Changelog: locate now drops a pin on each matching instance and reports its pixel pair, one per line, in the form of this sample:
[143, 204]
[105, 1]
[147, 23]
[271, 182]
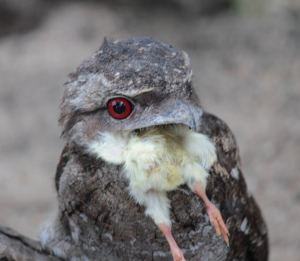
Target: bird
[146, 173]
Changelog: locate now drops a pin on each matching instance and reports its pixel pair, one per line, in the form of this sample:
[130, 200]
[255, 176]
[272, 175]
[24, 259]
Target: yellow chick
[165, 157]
[159, 159]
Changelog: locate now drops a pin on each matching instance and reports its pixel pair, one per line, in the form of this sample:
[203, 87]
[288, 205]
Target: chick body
[156, 158]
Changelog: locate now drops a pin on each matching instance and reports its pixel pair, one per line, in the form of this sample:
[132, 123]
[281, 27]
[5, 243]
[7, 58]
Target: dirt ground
[246, 71]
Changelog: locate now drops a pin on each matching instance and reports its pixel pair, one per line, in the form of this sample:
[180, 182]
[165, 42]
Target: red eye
[119, 108]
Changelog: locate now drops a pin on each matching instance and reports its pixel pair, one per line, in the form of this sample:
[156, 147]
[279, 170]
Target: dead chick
[159, 159]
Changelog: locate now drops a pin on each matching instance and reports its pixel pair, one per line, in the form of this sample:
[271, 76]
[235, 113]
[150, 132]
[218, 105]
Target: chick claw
[217, 220]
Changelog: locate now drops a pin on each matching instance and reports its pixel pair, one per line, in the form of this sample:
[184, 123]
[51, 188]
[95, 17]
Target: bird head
[128, 85]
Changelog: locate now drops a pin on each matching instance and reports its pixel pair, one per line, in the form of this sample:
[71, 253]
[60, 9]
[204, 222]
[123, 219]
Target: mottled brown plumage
[98, 219]
[14, 246]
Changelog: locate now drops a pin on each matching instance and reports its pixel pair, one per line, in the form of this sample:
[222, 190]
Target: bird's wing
[227, 187]
[15, 247]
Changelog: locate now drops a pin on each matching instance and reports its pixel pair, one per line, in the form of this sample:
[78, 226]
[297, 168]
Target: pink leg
[213, 213]
[176, 251]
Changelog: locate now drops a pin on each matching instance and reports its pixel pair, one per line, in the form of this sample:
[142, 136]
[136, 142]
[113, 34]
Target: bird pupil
[119, 107]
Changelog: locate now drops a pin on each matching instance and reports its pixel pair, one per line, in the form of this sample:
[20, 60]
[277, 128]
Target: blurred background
[245, 56]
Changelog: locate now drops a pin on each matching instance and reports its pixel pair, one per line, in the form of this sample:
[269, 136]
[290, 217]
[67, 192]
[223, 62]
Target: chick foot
[216, 219]
[212, 211]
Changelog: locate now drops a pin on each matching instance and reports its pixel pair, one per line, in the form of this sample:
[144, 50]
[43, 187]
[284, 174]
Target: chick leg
[212, 211]
[157, 207]
[175, 250]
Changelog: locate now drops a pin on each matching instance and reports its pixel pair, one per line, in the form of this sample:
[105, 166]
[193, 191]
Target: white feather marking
[132, 241]
[243, 225]
[145, 252]
[46, 233]
[159, 253]
[75, 230]
[235, 173]
[84, 217]
[109, 236]
[59, 252]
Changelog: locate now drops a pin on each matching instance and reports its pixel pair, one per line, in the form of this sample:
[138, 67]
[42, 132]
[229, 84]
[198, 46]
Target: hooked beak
[169, 111]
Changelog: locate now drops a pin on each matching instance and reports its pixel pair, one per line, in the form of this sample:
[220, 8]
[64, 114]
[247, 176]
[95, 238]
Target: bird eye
[119, 108]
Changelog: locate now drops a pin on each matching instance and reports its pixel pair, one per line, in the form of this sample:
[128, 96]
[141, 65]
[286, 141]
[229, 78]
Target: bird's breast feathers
[159, 157]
